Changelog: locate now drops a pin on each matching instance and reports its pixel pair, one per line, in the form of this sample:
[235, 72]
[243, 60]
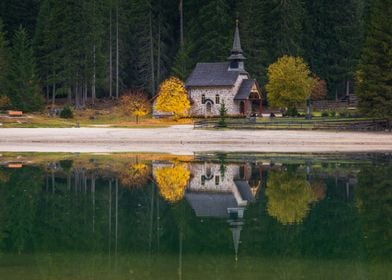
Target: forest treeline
[94, 48]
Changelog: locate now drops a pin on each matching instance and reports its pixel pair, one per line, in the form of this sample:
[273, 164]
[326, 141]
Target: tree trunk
[152, 55]
[158, 52]
[181, 10]
[110, 56]
[93, 95]
[53, 93]
[117, 52]
[69, 95]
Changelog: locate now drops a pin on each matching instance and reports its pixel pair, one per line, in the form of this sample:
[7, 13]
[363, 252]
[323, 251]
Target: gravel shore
[183, 139]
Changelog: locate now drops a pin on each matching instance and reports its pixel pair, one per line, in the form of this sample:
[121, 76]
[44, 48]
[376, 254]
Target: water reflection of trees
[289, 197]
[85, 211]
[172, 181]
[135, 175]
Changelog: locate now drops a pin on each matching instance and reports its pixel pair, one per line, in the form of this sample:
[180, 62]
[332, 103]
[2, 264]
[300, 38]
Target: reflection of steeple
[235, 228]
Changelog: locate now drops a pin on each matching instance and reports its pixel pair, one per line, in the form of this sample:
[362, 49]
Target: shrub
[292, 112]
[332, 113]
[66, 113]
[344, 113]
[324, 114]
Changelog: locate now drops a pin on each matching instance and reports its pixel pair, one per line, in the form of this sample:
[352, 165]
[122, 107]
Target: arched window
[217, 99]
[203, 99]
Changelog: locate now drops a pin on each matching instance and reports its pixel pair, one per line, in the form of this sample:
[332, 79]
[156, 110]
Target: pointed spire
[237, 54]
[237, 41]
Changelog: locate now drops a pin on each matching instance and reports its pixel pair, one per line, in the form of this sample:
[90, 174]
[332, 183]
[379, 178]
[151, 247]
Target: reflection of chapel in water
[223, 192]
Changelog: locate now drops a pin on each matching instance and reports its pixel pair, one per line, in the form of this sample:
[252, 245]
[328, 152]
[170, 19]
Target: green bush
[344, 113]
[332, 113]
[66, 113]
[292, 112]
[324, 114]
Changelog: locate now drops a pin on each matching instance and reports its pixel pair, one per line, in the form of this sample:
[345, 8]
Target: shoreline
[184, 140]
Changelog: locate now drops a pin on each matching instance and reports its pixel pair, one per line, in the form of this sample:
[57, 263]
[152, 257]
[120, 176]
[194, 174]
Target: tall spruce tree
[211, 32]
[4, 62]
[19, 12]
[23, 90]
[333, 41]
[255, 36]
[285, 20]
[374, 72]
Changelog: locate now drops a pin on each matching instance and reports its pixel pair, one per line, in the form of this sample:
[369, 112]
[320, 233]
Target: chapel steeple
[237, 54]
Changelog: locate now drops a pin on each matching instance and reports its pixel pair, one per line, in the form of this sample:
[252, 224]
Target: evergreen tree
[4, 62]
[285, 20]
[212, 32]
[23, 84]
[182, 65]
[374, 72]
[19, 12]
[333, 40]
[253, 17]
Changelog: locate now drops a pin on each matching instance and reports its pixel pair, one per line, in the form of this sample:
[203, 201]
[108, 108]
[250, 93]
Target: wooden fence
[315, 124]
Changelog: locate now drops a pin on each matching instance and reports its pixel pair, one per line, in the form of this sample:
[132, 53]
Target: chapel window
[216, 180]
[217, 99]
[203, 99]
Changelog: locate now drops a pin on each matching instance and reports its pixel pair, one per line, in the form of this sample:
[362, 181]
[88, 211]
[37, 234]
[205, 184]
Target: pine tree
[254, 37]
[23, 84]
[19, 12]
[333, 40]
[374, 72]
[285, 20]
[4, 62]
[211, 32]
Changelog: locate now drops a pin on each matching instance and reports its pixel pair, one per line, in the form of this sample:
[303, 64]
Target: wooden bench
[15, 113]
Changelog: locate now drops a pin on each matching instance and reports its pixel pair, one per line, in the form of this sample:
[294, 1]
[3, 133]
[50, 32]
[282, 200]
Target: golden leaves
[172, 182]
[289, 82]
[136, 175]
[173, 98]
[136, 104]
[289, 197]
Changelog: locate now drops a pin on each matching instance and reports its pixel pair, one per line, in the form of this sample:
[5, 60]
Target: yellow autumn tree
[289, 82]
[172, 182]
[135, 103]
[173, 98]
[135, 175]
[288, 197]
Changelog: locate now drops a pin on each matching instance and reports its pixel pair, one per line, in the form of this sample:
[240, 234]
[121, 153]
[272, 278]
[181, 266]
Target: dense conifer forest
[82, 50]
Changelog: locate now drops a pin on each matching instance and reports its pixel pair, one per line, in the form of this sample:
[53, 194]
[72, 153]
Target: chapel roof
[211, 204]
[244, 90]
[212, 74]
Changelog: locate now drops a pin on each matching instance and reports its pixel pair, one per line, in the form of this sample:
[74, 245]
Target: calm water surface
[204, 217]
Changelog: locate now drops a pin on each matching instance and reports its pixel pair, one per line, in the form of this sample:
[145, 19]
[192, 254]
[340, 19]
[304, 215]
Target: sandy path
[184, 140]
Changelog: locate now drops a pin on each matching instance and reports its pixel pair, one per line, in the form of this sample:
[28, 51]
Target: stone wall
[226, 95]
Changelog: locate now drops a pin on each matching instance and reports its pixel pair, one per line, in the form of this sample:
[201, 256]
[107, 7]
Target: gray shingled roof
[211, 204]
[212, 74]
[244, 90]
[244, 189]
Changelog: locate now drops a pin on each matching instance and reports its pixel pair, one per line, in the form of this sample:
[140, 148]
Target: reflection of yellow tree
[135, 176]
[172, 182]
[289, 197]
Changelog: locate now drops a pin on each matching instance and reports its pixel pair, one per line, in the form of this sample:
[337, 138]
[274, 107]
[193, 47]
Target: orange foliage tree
[173, 98]
[136, 175]
[319, 89]
[135, 103]
[172, 182]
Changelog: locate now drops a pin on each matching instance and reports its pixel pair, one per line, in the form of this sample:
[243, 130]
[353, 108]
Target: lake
[206, 216]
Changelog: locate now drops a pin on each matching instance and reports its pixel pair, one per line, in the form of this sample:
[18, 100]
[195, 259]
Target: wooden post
[260, 106]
